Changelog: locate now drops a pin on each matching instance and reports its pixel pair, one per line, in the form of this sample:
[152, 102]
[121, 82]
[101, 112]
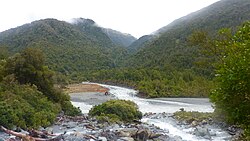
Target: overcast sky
[136, 17]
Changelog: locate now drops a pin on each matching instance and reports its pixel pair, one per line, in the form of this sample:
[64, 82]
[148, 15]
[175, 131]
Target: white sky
[136, 17]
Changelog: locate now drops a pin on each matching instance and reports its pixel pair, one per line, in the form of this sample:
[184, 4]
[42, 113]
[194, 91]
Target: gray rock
[194, 123]
[176, 138]
[127, 132]
[202, 132]
[204, 122]
[123, 134]
[102, 139]
[142, 135]
[126, 139]
[154, 135]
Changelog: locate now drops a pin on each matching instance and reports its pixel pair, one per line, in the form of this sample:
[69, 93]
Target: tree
[28, 68]
[231, 60]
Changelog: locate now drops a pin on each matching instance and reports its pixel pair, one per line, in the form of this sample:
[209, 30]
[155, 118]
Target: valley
[203, 55]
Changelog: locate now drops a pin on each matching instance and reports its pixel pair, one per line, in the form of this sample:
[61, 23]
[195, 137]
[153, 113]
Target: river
[167, 105]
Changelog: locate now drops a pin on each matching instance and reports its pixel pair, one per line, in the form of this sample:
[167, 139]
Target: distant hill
[69, 47]
[120, 39]
[106, 36]
[141, 42]
[93, 32]
[171, 47]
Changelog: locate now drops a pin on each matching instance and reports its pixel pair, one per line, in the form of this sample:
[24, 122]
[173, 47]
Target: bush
[25, 107]
[117, 110]
[233, 77]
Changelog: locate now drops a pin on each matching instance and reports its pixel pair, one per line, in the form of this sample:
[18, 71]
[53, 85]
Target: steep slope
[120, 39]
[93, 32]
[141, 42]
[164, 67]
[171, 48]
[68, 49]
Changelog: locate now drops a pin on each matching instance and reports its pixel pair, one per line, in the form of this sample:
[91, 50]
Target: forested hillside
[168, 65]
[141, 42]
[120, 39]
[69, 48]
[171, 45]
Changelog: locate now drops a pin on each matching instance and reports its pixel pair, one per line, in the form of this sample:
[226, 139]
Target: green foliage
[7, 115]
[117, 110]
[4, 53]
[189, 117]
[69, 48]
[28, 98]
[155, 82]
[24, 106]
[233, 92]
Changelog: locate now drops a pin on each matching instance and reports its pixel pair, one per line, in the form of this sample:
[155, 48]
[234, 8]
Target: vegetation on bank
[156, 82]
[116, 111]
[232, 94]
[230, 55]
[189, 117]
[28, 98]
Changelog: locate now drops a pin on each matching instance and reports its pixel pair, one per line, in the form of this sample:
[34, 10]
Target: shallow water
[167, 105]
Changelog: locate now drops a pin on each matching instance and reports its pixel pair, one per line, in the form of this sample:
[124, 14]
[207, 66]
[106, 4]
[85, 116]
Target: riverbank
[158, 118]
[85, 87]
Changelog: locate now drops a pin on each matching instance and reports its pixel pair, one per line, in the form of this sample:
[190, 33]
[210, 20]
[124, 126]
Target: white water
[167, 106]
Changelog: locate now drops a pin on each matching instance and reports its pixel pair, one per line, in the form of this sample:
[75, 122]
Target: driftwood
[89, 137]
[26, 137]
[90, 126]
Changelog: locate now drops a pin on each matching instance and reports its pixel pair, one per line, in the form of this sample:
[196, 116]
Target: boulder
[127, 132]
[142, 135]
[102, 139]
[202, 132]
[194, 123]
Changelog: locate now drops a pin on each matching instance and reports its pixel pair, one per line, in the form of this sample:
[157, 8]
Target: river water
[167, 105]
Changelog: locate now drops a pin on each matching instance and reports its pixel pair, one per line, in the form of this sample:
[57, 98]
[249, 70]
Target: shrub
[117, 110]
[233, 77]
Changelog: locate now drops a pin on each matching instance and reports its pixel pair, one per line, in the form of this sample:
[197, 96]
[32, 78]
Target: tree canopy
[28, 98]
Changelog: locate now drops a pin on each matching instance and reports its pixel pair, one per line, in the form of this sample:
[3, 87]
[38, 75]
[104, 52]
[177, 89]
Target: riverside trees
[230, 55]
[232, 95]
[28, 97]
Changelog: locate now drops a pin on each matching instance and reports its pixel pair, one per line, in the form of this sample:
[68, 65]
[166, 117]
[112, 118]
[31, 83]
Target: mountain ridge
[67, 48]
[172, 38]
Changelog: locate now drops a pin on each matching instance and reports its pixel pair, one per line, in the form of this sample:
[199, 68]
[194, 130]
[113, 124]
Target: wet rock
[232, 130]
[126, 139]
[127, 132]
[73, 138]
[202, 132]
[181, 109]
[102, 139]
[154, 135]
[204, 122]
[142, 135]
[176, 138]
[110, 136]
[194, 123]
[123, 134]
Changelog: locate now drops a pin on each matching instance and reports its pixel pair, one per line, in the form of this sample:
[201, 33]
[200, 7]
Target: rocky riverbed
[161, 125]
[84, 128]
